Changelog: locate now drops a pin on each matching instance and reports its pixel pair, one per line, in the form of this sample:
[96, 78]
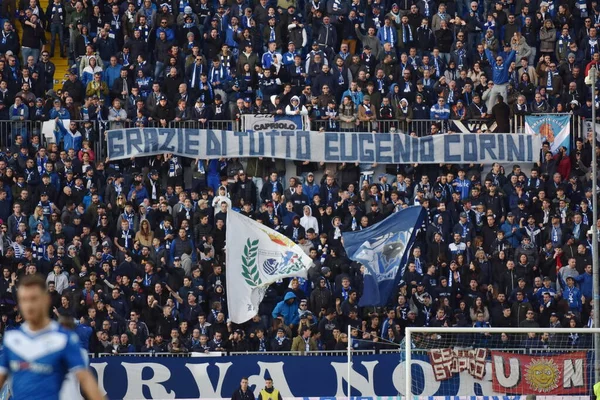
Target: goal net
[495, 363]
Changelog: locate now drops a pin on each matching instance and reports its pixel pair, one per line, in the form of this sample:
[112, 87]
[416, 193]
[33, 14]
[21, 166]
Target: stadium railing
[325, 353]
[420, 127]
[241, 353]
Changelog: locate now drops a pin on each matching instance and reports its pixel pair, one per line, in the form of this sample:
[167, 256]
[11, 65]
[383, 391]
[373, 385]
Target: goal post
[464, 362]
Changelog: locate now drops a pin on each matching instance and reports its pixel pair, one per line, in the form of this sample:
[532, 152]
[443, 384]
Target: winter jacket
[289, 312]
[547, 40]
[573, 298]
[308, 221]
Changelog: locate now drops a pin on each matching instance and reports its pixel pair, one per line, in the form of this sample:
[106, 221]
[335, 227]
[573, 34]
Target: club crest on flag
[256, 260]
[550, 128]
[383, 251]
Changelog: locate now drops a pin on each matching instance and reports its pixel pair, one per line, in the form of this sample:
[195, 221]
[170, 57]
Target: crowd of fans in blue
[137, 256]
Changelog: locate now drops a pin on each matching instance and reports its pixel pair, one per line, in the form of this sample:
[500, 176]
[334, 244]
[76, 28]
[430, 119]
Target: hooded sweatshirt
[308, 221]
[217, 200]
[289, 312]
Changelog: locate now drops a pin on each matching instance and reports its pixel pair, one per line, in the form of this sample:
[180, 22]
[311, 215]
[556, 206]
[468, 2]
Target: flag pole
[595, 266]
[349, 366]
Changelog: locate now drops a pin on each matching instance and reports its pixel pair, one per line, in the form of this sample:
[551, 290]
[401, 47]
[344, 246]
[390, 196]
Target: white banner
[335, 147]
[257, 256]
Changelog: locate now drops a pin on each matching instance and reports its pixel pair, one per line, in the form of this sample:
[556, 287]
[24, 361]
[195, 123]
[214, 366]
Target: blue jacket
[84, 333]
[573, 297]
[462, 186]
[500, 72]
[72, 140]
[168, 32]
[139, 196]
[586, 283]
[289, 312]
[513, 238]
[437, 112]
[111, 73]
[310, 191]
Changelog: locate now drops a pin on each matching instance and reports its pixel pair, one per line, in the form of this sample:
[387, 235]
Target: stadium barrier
[8, 129]
[372, 375]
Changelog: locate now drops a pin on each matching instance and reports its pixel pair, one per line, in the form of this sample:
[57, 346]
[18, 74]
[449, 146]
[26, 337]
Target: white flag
[257, 256]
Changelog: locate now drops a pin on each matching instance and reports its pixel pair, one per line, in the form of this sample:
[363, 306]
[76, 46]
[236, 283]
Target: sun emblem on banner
[542, 375]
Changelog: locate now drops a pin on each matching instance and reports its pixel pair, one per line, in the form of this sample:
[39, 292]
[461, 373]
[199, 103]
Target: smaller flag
[553, 129]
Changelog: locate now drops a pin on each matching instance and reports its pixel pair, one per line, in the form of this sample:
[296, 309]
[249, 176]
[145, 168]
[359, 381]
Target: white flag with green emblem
[257, 256]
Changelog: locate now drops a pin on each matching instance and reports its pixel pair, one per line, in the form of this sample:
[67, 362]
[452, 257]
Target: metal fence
[240, 353]
[9, 129]
[418, 127]
[216, 125]
[324, 353]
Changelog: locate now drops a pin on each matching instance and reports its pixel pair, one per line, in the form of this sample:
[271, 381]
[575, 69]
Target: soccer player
[40, 353]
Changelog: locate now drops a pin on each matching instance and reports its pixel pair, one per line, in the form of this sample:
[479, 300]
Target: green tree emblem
[249, 265]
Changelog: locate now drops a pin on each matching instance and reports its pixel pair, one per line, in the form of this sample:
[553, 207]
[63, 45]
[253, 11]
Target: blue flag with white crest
[384, 249]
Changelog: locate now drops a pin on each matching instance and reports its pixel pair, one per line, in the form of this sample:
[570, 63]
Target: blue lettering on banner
[331, 146]
[150, 140]
[213, 144]
[168, 134]
[303, 151]
[515, 150]
[351, 147]
[470, 148]
[288, 147]
[116, 149]
[401, 148]
[449, 140]
[219, 377]
[367, 154]
[192, 142]
[427, 153]
[382, 147]
[254, 151]
[273, 135]
[134, 141]
[353, 152]
[241, 136]
[487, 145]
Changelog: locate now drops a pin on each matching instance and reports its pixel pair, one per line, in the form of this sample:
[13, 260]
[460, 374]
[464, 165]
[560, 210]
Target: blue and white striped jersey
[38, 361]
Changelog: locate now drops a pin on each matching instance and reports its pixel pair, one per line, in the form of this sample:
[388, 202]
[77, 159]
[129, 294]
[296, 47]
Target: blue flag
[384, 249]
[60, 131]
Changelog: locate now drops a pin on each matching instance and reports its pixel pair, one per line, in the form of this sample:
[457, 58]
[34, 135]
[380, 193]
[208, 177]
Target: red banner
[564, 374]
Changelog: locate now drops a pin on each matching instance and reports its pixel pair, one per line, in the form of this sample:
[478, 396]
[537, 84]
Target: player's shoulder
[53, 332]
[34, 345]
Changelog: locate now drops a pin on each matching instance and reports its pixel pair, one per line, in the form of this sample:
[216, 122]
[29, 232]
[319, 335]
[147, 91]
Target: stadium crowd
[137, 256]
